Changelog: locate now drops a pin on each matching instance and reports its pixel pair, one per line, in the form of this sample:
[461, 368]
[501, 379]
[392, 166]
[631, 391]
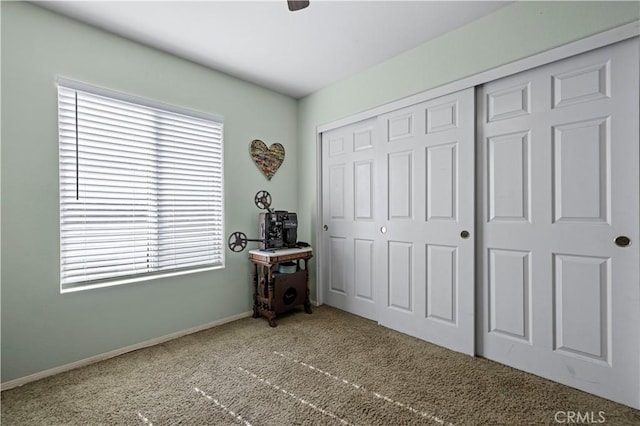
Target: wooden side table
[275, 292]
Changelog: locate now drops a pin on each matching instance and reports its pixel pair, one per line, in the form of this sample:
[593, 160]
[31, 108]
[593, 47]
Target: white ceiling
[295, 53]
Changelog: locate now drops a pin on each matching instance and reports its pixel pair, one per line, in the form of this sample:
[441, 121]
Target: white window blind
[141, 187]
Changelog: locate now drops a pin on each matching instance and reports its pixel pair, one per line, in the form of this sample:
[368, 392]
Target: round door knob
[383, 229]
[326, 228]
[622, 241]
[464, 234]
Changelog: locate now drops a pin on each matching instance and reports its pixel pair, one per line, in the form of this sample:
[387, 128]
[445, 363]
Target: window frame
[151, 104]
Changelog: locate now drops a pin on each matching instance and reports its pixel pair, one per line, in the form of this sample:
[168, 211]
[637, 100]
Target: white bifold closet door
[350, 217]
[425, 278]
[559, 283]
[398, 218]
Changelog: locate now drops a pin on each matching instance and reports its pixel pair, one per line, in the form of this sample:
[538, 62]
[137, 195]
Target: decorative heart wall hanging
[268, 159]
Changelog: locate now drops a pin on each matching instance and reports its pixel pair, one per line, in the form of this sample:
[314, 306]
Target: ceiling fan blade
[297, 4]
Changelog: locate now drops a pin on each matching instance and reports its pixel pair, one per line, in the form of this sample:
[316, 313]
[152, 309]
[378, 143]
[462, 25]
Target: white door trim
[319, 222]
[592, 42]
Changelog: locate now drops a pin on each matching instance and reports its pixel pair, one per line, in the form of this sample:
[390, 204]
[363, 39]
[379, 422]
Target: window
[141, 188]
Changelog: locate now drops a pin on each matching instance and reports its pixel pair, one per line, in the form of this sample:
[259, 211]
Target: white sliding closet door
[425, 274]
[398, 218]
[559, 283]
[350, 237]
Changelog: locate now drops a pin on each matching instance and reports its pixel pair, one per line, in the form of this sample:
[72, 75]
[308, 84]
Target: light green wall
[41, 328]
[511, 33]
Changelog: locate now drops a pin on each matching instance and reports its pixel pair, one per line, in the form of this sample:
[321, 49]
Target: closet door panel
[442, 283]
[429, 184]
[349, 173]
[559, 161]
[441, 184]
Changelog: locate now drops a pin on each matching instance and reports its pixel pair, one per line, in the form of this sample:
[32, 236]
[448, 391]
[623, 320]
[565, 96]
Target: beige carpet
[328, 368]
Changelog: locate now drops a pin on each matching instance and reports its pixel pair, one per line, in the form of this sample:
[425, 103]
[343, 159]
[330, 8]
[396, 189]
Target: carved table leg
[307, 303]
[255, 292]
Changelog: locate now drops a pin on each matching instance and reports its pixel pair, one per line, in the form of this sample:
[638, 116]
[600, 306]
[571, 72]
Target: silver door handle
[383, 229]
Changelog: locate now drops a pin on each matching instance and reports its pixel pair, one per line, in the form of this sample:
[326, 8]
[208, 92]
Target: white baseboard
[101, 357]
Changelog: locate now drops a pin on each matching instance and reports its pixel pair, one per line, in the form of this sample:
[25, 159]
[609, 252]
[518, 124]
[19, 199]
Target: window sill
[130, 280]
